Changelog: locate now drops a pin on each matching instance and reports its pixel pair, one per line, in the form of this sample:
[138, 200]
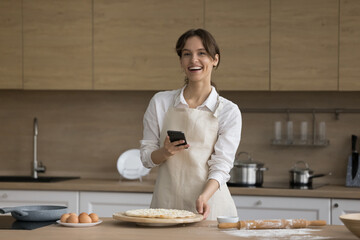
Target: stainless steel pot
[247, 172]
[301, 174]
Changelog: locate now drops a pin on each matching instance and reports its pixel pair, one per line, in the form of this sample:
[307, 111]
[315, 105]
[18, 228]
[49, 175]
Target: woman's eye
[186, 54]
[202, 53]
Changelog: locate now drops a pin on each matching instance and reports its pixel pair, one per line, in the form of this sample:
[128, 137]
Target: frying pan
[35, 212]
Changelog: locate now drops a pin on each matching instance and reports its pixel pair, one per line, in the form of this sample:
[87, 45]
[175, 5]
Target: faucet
[35, 167]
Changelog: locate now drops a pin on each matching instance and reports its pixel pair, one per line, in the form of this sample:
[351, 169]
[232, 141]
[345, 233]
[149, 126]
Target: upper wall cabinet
[304, 45]
[349, 65]
[57, 44]
[10, 44]
[242, 30]
[134, 42]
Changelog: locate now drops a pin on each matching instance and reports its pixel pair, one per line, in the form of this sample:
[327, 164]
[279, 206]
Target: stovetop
[8, 222]
[279, 186]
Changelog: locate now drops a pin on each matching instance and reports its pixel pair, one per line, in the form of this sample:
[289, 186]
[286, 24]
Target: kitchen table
[112, 229]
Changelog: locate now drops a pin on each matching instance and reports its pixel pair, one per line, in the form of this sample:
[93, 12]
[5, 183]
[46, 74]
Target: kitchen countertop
[111, 229]
[116, 185]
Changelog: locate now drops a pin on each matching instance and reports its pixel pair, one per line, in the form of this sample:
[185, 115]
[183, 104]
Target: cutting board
[157, 221]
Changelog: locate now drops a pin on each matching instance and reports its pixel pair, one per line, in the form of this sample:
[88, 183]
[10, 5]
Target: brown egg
[94, 217]
[83, 213]
[84, 218]
[64, 217]
[73, 219]
[73, 213]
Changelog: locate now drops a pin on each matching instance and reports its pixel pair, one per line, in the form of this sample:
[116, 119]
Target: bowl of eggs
[81, 220]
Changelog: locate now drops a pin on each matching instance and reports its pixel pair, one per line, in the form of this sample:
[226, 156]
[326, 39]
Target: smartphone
[176, 136]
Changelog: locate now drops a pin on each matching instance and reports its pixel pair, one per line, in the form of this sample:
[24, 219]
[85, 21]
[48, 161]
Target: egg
[94, 217]
[84, 218]
[83, 214]
[72, 219]
[64, 217]
[73, 213]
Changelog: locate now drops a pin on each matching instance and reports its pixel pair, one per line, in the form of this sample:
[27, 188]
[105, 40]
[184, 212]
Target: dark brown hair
[207, 40]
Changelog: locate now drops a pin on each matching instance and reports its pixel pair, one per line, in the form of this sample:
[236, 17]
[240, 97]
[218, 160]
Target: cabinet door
[349, 65]
[10, 44]
[134, 42]
[343, 206]
[13, 198]
[57, 44]
[242, 30]
[252, 208]
[304, 45]
[106, 203]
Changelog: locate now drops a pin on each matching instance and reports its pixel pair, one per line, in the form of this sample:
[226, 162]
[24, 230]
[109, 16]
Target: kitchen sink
[31, 179]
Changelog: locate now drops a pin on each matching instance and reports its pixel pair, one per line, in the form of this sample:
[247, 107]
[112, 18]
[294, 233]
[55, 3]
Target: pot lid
[246, 163]
[300, 166]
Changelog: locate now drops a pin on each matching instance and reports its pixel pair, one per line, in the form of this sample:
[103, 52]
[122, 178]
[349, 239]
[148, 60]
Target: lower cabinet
[106, 203]
[12, 198]
[260, 207]
[343, 206]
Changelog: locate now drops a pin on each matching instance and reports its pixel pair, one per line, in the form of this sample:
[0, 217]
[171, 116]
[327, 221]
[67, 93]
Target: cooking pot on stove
[301, 174]
[246, 172]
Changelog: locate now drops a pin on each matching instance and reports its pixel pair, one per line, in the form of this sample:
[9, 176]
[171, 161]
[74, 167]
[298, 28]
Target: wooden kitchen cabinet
[242, 30]
[349, 59]
[304, 45]
[254, 207]
[134, 42]
[57, 44]
[10, 44]
[343, 206]
[12, 198]
[106, 203]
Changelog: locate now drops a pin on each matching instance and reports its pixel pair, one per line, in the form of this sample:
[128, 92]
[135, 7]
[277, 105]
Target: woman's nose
[194, 58]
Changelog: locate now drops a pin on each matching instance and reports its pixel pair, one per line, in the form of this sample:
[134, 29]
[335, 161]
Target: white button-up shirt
[230, 122]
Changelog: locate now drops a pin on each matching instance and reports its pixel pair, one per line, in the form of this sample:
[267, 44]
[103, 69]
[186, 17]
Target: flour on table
[271, 234]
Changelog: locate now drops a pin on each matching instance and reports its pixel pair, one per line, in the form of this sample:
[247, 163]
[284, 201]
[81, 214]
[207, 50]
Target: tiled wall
[83, 133]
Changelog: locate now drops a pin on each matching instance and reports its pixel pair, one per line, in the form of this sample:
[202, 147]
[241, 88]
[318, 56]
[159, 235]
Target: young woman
[193, 176]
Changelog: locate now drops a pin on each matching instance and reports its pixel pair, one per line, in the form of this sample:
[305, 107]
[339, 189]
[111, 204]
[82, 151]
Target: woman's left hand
[202, 207]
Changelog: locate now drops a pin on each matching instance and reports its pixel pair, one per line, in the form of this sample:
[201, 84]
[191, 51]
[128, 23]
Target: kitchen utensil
[130, 166]
[303, 175]
[78, 225]
[35, 212]
[353, 170]
[247, 172]
[352, 222]
[272, 224]
[158, 222]
[354, 156]
[226, 219]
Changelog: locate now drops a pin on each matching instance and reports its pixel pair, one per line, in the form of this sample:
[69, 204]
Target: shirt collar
[210, 102]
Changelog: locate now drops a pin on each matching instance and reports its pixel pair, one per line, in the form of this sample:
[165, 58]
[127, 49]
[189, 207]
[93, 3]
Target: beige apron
[182, 178]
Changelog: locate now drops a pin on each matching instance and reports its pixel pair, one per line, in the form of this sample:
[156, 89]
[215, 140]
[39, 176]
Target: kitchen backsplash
[82, 133]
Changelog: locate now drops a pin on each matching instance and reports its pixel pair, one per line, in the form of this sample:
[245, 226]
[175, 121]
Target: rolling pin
[272, 224]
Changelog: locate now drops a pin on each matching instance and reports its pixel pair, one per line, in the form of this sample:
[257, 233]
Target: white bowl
[352, 222]
[227, 219]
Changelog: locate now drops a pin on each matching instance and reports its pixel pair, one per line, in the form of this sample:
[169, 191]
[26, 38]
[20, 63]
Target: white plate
[78, 224]
[130, 166]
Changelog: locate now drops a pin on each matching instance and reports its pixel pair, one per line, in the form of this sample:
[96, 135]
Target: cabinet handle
[336, 205]
[4, 196]
[258, 203]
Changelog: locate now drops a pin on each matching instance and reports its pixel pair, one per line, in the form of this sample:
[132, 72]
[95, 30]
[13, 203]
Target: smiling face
[196, 61]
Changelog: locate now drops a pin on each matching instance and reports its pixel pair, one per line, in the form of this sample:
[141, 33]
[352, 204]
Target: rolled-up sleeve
[222, 160]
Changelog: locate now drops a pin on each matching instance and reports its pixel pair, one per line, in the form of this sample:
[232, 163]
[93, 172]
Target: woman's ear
[216, 60]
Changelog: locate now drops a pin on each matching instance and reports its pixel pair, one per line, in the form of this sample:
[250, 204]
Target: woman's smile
[195, 60]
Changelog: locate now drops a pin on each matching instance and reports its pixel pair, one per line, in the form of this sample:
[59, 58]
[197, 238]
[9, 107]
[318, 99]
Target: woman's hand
[169, 149]
[202, 207]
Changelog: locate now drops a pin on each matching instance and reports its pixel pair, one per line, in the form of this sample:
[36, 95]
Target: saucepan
[301, 174]
[35, 212]
[247, 172]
